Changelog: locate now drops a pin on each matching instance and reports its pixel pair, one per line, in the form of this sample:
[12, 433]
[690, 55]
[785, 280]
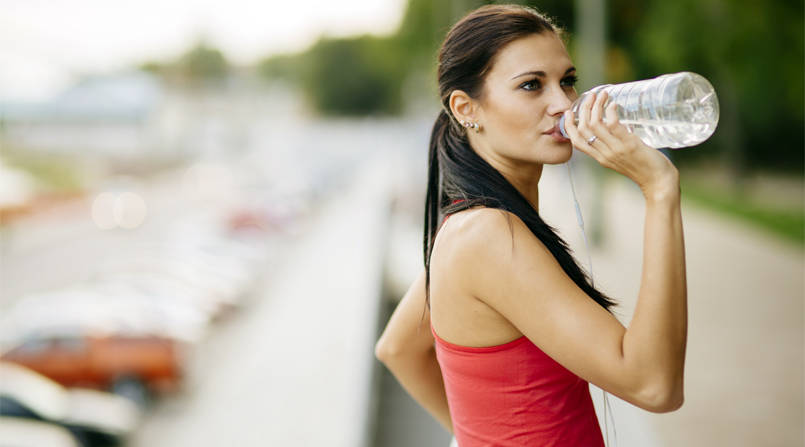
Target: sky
[45, 45]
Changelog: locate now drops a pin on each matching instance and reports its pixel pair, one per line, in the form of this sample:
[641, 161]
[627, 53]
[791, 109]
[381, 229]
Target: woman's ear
[463, 107]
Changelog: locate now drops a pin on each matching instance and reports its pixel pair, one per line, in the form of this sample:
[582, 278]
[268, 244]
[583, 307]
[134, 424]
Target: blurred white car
[217, 245]
[224, 290]
[236, 272]
[96, 418]
[175, 317]
[18, 432]
[76, 309]
[166, 288]
[113, 308]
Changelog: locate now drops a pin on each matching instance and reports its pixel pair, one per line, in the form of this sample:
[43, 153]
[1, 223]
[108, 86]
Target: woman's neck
[526, 181]
[523, 176]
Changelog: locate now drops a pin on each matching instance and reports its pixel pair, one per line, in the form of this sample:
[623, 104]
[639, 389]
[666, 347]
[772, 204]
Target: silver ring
[590, 141]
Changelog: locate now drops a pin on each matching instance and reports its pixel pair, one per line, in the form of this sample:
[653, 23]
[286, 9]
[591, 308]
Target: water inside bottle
[676, 110]
[671, 134]
[661, 117]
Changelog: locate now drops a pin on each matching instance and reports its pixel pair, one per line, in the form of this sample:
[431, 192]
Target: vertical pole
[591, 41]
[591, 38]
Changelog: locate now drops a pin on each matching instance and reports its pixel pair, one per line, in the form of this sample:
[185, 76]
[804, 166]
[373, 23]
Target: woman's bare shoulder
[481, 233]
[487, 245]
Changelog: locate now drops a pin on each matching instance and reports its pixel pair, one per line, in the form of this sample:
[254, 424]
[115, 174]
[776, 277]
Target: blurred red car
[131, 366]
[79, 340]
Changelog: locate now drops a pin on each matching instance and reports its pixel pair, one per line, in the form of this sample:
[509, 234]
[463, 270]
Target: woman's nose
[559, 101]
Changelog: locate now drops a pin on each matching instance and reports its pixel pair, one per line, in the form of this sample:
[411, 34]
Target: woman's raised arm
[407, 349]
[658, 331]
[502, 264]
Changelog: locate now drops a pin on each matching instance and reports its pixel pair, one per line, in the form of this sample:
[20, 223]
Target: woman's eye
[570, 81]
[530, 85]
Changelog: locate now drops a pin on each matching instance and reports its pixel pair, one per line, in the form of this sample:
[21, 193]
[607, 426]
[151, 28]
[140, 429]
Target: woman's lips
[556, 135]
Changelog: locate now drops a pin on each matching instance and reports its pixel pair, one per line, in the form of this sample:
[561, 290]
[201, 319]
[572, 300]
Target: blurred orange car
[134, 366]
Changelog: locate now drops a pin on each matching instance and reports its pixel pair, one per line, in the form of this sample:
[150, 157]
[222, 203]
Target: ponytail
[440, 127]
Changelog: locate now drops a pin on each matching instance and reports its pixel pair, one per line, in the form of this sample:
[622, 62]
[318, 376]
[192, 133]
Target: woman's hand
[616, 148]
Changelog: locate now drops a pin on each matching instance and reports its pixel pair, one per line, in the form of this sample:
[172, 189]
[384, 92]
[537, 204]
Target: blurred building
[120, 116]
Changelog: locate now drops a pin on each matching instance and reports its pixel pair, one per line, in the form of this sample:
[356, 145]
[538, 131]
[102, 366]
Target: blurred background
[208, 211]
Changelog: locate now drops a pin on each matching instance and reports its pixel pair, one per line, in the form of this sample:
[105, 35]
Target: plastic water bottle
[673, 110]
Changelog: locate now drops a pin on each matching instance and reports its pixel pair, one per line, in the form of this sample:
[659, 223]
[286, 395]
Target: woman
[516, 329]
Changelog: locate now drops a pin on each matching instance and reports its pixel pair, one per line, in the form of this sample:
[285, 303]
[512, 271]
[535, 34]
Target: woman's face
[528, 88]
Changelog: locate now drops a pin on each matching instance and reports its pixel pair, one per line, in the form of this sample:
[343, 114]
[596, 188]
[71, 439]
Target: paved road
[63, 246]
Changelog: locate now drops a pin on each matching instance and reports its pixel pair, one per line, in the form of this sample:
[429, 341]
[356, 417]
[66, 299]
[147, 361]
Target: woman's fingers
[603, 130]
[591, 118]
[596, 111]
[613, 121]
[580, 142]
[610, 144]
[584, 114]
[613, 146]
[595, 127]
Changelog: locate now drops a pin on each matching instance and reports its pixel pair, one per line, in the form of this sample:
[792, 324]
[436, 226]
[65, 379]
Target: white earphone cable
[592, 282]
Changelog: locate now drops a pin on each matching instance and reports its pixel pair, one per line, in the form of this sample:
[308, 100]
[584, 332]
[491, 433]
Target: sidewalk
[746, 341]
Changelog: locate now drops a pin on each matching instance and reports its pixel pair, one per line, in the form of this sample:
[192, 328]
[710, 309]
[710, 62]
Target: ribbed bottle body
[674, 110]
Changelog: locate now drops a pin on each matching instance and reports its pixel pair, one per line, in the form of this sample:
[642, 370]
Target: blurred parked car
[265, 214]
[170, 315]
[106, 306]
[225, 291]
[247, 222]
[78, 345]
[95, 418]
[19, 432]
[164, 287]
[190, 234]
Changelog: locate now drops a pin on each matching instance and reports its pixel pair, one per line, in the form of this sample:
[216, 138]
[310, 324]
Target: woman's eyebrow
[540, 73]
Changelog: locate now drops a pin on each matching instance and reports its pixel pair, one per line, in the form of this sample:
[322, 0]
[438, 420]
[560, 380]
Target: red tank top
[515, 395]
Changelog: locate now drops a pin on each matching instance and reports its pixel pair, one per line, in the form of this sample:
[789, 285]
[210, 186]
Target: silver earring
[476, 126]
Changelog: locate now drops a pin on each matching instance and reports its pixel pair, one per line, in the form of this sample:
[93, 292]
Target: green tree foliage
[284, 66]
[203, 62]
[559, 10]
[752, 52]
[366, 75]
[357, 76]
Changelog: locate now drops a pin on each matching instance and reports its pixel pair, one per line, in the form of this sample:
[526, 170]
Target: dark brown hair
[458, 178]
